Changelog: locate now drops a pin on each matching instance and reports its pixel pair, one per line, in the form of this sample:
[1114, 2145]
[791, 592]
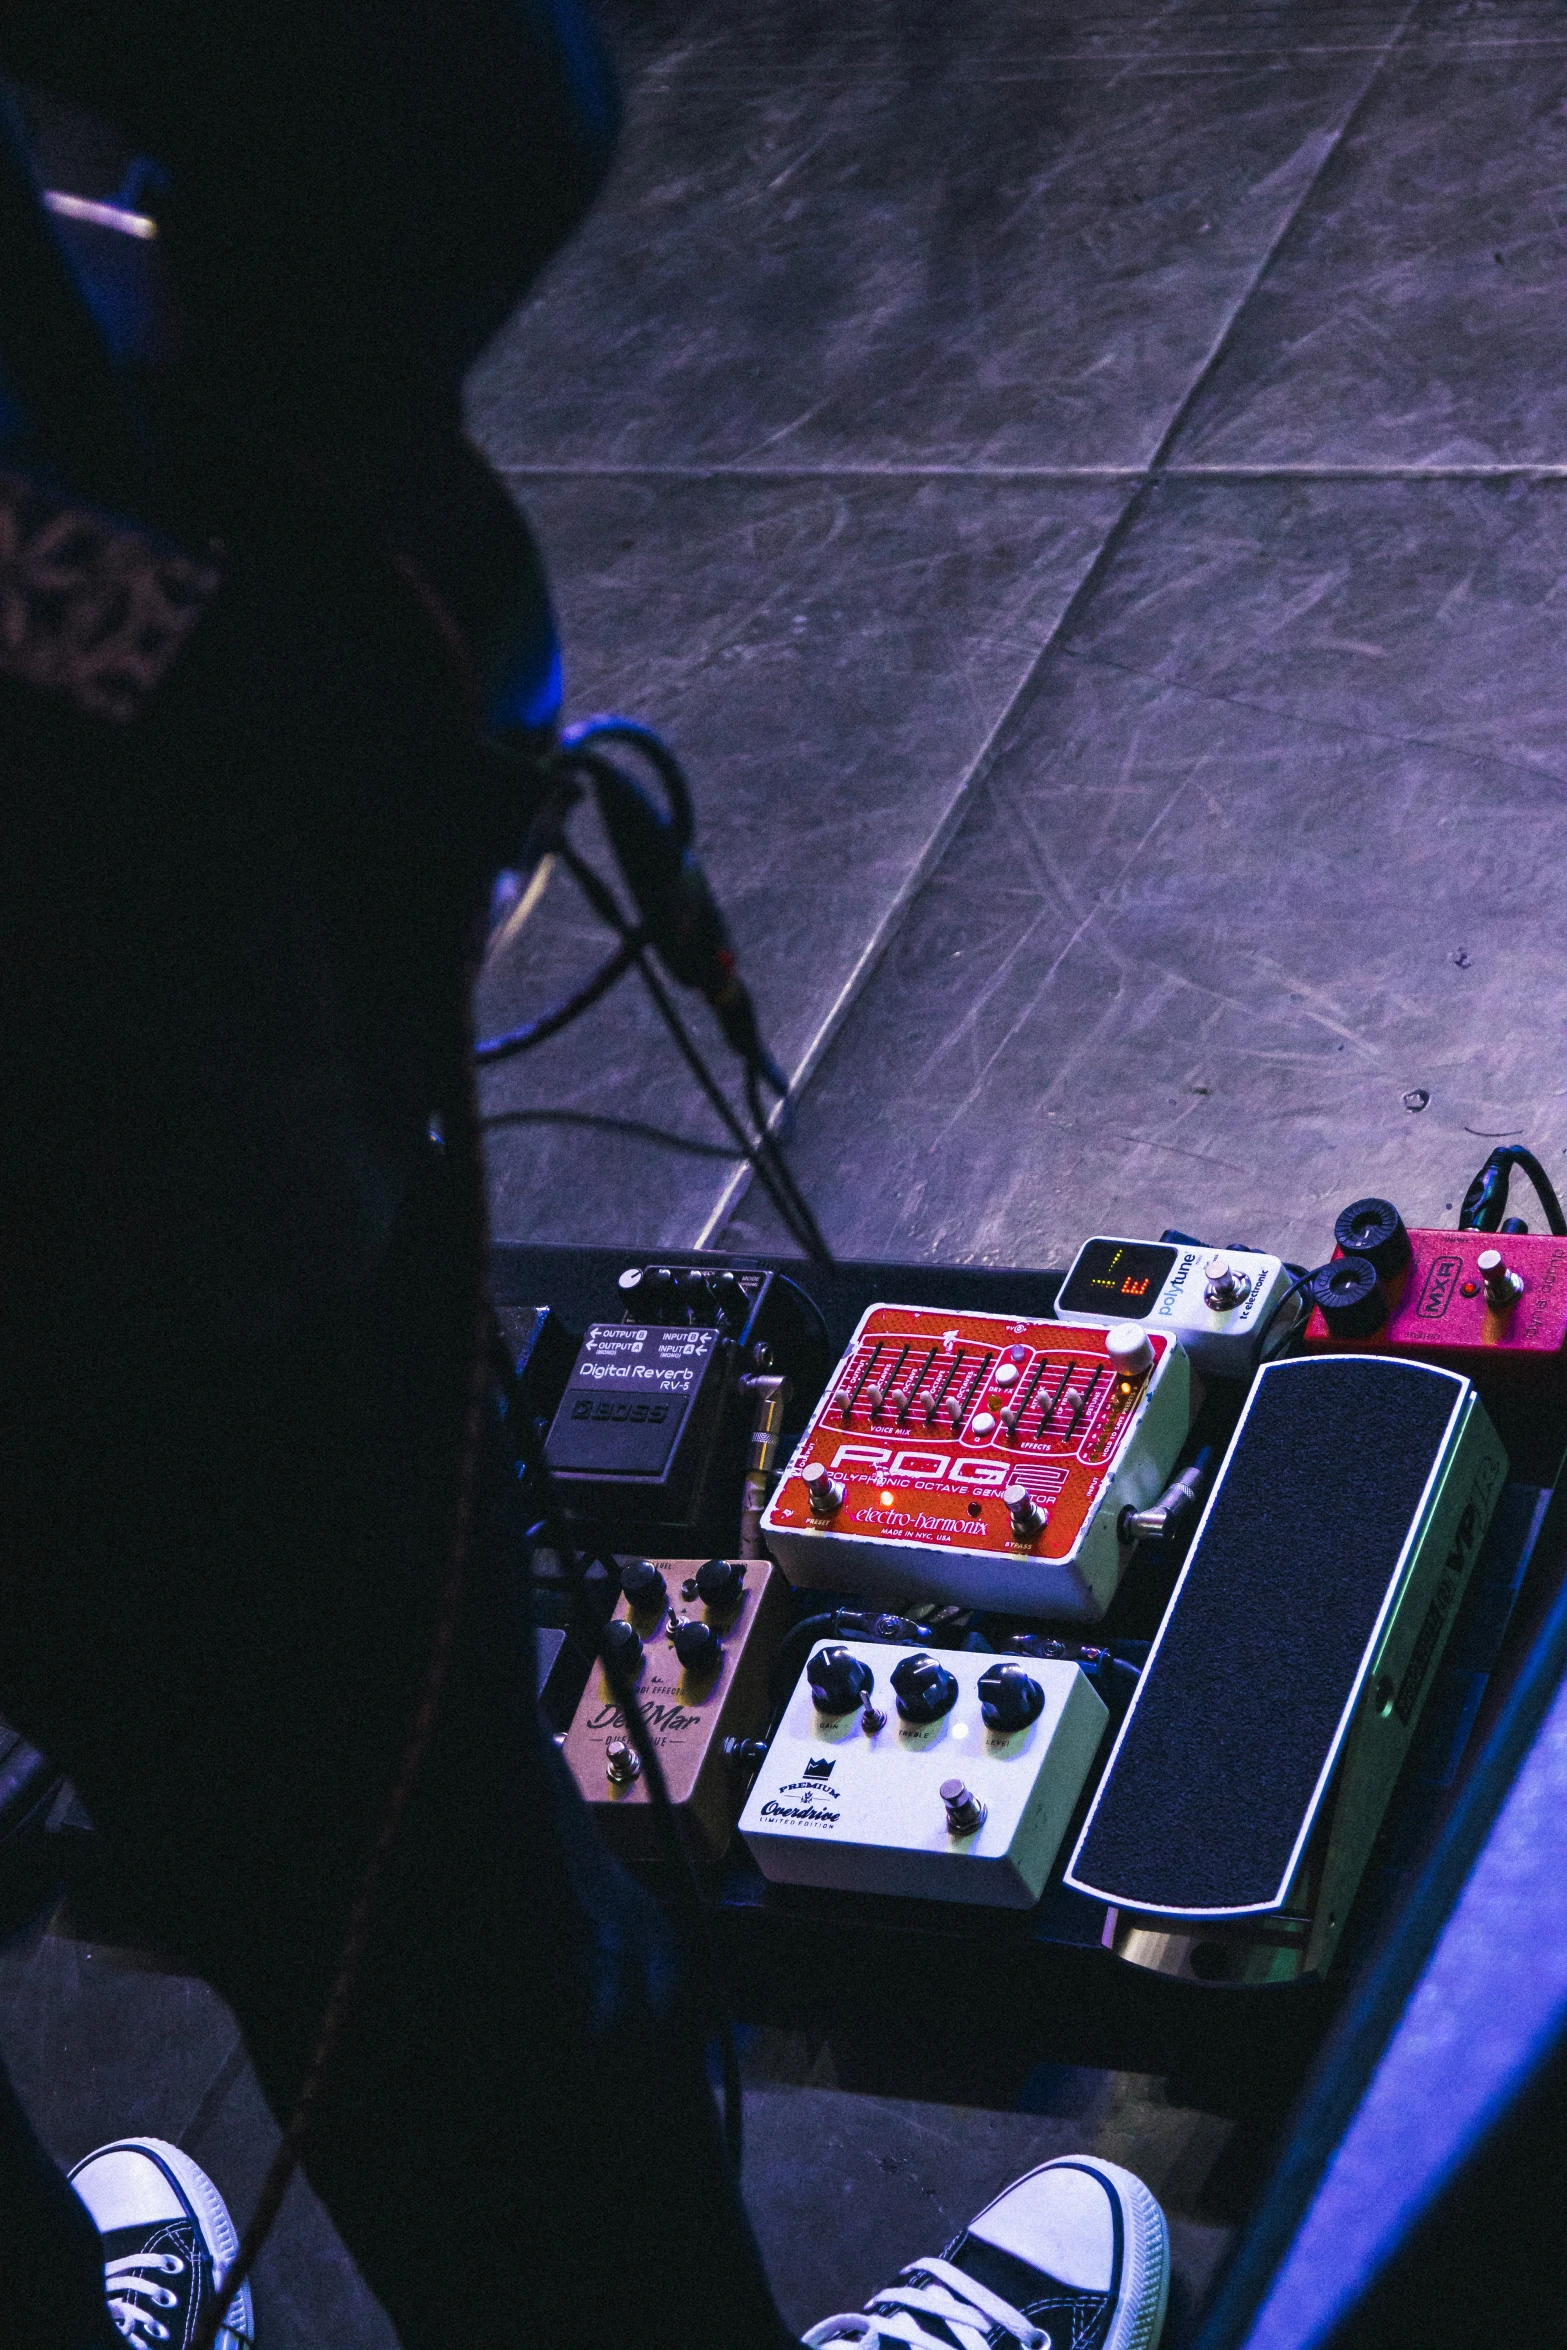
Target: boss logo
[605, 1407]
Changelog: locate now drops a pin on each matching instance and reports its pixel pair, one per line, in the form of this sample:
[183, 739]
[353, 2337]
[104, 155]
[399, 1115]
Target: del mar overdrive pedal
[981, 1458]
[949, 1777]
[696, 1638]
[1217, 1302]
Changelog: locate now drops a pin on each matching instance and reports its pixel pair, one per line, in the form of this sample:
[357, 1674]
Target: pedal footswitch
[981, 1458]
[958, 1787]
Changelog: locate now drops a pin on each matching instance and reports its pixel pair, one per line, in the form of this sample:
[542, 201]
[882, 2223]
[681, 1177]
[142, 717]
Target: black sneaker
[1073, 2256]
[167, 2243]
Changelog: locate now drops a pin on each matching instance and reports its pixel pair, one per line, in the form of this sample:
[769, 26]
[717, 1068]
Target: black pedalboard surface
[932, 1999]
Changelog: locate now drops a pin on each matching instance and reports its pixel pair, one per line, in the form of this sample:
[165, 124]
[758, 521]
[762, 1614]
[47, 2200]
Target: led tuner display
[1117, 1277]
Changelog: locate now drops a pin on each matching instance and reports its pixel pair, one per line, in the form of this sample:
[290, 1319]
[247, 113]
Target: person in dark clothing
[245, 1421]
[240, 1305]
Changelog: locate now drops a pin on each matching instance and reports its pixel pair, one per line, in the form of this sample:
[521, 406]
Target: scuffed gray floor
[1085, 490]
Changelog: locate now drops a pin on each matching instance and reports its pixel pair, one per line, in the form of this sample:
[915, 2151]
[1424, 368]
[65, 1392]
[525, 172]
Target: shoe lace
[967, 2310]
[121, 2282]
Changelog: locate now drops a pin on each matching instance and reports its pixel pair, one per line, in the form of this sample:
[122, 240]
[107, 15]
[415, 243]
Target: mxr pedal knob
[622, 1648]
[1374, 1229]
[924, 1690]
[840, 1683]
[1349, 1296]
[698, 1648]
[645, 1589]
[1009, 1698]
[719, 1584]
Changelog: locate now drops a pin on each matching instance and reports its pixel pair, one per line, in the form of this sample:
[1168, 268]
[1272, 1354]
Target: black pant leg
[51, 2257]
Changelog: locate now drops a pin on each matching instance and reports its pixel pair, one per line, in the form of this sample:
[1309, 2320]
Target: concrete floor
[1085, 490]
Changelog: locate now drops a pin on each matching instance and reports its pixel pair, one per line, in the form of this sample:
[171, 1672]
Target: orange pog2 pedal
[981, 1458]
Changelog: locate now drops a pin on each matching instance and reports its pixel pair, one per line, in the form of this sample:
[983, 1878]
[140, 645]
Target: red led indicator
[1136, 1288]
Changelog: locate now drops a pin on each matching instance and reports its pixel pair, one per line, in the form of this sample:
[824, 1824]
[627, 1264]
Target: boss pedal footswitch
[981, 1458]
[1218, 1302]
[695, 1638]
[947, 1776]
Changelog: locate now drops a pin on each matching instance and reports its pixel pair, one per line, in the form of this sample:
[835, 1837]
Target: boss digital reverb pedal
[1219, 1303]
[981, 1458]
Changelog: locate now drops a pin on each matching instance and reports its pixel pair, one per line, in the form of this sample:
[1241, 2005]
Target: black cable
[799, 1222]
[522, 1040]
[783, 1173]
[1485, 1202]
[1303, 1281]
[635, 1129]
[601, 898]
[814, 1310]
[554, 1521]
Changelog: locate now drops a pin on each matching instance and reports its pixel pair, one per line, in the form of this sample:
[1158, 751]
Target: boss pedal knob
[1503, 1287]
[1028, 1519]
[924, 1690]
[698, 1648]
[1130, 1349]
[965, 1812]
[1224, 1285]
[646, 1591]
[1009, 1698]
[1374, 1229]
[720, 1584]
[841, 1682]
[822, 1490]
[622, 1649]
[622, 1763]
[1349, 1297]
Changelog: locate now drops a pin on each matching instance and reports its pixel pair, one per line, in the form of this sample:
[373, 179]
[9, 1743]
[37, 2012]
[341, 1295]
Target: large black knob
[719, 1584]
[644, 1587]
[925, 1690]
[1009, 1698]
[698, 1648]
[1350, 1297]
[1374, 1229]
[622, 1649]
[840, 1681]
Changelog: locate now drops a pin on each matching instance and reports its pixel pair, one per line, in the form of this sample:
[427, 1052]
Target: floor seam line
[930, 857]
[1226, 337]
[1520, 469]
